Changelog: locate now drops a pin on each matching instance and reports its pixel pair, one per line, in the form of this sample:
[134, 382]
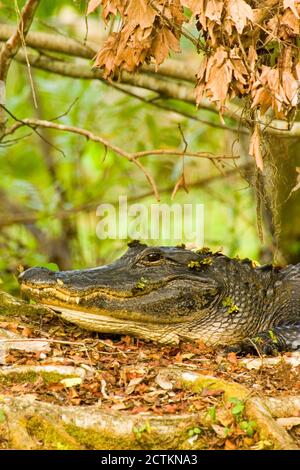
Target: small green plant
[144, 428]
[238, 408]
[249, 427]
[230, 305]
[212, 413]
[194, 431]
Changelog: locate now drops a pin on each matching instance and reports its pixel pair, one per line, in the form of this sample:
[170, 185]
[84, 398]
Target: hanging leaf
[240, 12]
[92, 6]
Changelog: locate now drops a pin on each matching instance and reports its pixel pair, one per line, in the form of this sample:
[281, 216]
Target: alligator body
[168, 294]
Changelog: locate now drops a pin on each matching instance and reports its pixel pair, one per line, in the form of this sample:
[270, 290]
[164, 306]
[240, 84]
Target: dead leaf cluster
[147, 33]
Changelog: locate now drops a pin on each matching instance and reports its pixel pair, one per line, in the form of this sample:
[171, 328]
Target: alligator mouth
[66, 297]
[102, 320]
[81, 304]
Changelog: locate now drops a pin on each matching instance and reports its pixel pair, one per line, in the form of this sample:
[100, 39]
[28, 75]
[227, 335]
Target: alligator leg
[285, 337]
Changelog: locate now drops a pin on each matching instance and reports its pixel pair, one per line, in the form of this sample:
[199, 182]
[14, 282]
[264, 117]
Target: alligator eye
[153, 257]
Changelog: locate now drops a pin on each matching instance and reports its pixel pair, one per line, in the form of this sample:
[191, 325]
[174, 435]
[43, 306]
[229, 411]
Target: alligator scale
[168, 294]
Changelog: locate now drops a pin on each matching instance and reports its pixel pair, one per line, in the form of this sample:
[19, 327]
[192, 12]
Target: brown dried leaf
[177, 12]
[252, 58]
[232, 358]
[112, 7]
[239, 68]
[164, 41]
[203, 68]
[181, 183]
[220, 76]
[26, 332]
[240, 12]
[261, 98]
[292, 5]
[291, 88]
[254, 148]
[291, 22]
[220, 430]
[209, 392]
[229, 445]
[92, 5]
[196, 6]
[225, 417]
[164, 381]
[214, 9]
[107, 54]
[199, 92]
[132, 384]
[140, 13]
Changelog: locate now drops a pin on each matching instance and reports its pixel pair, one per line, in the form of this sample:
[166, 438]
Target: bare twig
[183, 153]
[51, 42]
[28, 218]
[125, 89]
[12, 45]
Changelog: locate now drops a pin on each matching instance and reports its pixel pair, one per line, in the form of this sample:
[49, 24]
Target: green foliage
[212, 413]
[194, 431]
[144, 428]
[249, 427]
[238, 408]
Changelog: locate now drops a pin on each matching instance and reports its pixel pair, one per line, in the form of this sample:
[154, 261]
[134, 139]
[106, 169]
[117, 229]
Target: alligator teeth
[59, 281]
[77, 300]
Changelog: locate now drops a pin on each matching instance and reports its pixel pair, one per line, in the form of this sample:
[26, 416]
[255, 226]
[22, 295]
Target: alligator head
[159, 293]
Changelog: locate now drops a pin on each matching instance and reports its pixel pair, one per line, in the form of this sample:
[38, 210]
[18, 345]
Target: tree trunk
[282, 204]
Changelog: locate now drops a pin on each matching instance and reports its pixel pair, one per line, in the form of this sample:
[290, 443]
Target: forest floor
[127, 375]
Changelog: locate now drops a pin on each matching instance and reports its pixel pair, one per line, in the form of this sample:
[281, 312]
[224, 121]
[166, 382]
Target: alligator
[169, 294]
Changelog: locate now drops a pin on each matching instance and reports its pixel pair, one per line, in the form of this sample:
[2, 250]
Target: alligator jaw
[163, 334]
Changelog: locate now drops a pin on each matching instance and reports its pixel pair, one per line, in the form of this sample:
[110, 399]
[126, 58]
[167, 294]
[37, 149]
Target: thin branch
[51, 42]
[12, 45]
[20, 123]
[165, 88]
[35, 123]
[124, 89]
[30, 218]
[65, 113]
[183, 153]
[132, 157]
[26, 54]
[69, 46]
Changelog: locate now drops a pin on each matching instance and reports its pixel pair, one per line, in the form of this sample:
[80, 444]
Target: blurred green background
[48, 199]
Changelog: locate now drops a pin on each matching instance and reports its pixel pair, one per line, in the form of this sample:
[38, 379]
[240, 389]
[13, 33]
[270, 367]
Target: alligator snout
[37, 276]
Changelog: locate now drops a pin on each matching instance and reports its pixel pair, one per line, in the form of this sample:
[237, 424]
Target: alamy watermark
[173, 222]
